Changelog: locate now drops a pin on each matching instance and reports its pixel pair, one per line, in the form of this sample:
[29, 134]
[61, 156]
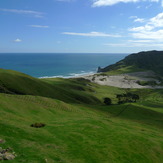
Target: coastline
[65, 65]
[71, 75]
[127, 80]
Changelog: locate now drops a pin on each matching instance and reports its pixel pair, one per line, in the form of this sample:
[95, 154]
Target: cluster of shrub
[38, 125]
[123, 98]
[128, 97]
[144, 83]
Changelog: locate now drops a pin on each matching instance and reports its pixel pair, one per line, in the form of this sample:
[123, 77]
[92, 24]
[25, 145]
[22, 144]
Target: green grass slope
[79, 128]
[150, 60]
[80, 133]
[18, 83]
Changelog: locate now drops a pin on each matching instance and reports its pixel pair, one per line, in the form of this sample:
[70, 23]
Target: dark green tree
[135, 97]
[119, 97]
[127, 97]
[107, 101]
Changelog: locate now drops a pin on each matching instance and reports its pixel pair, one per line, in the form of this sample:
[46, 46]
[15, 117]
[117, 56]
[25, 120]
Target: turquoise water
[57, 64]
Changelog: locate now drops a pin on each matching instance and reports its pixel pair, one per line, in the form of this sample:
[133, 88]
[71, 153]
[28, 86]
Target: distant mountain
[150, 60]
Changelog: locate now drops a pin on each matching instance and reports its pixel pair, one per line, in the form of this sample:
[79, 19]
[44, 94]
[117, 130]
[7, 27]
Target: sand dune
[128, 80]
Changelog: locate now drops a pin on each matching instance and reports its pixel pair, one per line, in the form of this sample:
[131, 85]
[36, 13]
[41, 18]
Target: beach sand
[128, 80]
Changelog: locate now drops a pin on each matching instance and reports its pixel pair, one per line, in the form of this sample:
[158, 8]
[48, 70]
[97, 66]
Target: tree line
[123, 98]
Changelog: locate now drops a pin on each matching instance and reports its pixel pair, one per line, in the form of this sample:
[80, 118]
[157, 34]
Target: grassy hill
[80, 133]
[79, 128]
[13, 82]
[150, 60]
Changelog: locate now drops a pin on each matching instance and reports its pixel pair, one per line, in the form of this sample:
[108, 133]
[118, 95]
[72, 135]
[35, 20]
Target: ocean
[58, 64]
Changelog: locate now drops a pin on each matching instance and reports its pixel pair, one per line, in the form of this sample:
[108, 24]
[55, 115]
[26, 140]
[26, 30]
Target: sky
[81, 26]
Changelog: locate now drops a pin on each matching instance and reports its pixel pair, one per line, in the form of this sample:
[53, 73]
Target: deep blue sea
[57, 64]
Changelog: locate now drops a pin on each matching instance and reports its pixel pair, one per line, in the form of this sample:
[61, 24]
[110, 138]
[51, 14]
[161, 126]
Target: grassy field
[79, 127]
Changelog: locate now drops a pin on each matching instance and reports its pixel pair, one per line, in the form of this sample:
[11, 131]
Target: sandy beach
[128, 80]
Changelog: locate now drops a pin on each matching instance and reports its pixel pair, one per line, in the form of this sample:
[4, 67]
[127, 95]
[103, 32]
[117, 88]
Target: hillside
[80, 133]
[13, 82]
[150, 60]
[78, 126]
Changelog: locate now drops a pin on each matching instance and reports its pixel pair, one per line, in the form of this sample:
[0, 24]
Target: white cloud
[156, 35]
[133, 17]
[18, 40]
[157, 21]
[140, 41]
[92, 34]
[142, 28]
[151, 30]
[29, 12]
[116, 44]
[141, 20]
[136, 19]
[99, 3]
[39, 26]
[128, 44]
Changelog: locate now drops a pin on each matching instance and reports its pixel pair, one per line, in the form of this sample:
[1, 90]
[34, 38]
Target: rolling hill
[13, 82]
[150, 60]
[79, 127]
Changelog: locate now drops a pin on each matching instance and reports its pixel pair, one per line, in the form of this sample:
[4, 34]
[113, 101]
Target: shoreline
[126, 80]
[81, 75]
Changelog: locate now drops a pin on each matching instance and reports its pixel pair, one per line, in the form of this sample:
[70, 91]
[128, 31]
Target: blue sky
[93, 26]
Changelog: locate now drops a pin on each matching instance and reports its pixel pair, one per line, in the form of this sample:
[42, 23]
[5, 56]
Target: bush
[38, 125]
[107, 101]
[128, 97]
[144, 83]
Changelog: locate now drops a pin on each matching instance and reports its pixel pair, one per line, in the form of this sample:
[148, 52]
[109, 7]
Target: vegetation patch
[38, 125]
[128, 97]
[107, 101]
[145, 83]
[102, 79]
